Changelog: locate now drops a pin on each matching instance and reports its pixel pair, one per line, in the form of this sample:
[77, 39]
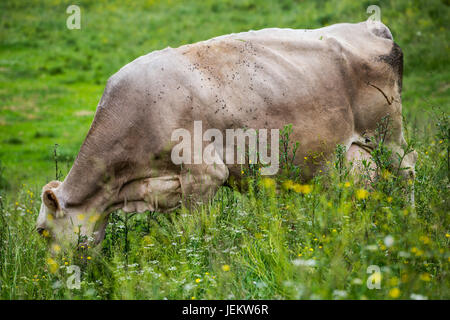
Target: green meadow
[281, 238]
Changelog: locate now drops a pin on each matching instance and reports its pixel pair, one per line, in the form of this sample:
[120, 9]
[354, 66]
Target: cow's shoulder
[140, 74]
[140, 65]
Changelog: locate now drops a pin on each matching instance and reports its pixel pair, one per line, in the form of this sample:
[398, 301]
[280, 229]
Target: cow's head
[67, 226]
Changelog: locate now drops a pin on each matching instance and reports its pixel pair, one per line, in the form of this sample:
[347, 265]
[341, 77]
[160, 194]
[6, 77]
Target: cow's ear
[51, 201]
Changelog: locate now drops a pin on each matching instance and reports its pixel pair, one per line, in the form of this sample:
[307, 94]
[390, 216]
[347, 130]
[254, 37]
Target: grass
[270, 242]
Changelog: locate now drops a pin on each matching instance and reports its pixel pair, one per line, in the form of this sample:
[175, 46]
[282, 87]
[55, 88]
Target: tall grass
[280, 239]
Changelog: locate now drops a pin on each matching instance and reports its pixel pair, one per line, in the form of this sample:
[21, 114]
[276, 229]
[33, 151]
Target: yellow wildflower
[393, 281]
[268, 183]
[394, 293]
[307, 189]
[425, 239]
[425, 277]
[386, 174]
[53, 266]
[288, 184]
[361, 194]
[94, 218]
[226, 267]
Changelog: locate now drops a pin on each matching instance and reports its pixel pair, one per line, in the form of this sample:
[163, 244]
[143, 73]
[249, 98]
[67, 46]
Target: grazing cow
[332, 84]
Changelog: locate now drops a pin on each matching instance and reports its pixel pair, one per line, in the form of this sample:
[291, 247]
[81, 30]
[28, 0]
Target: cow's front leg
[357, 156]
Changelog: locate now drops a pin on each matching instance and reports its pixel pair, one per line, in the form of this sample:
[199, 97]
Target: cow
[333, 84]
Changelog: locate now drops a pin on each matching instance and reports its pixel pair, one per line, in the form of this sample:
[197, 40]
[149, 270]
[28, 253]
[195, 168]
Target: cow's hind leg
[361, 163]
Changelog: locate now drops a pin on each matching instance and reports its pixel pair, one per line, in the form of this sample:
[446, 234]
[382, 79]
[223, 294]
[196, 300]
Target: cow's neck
[103, 190]
[81, 189]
